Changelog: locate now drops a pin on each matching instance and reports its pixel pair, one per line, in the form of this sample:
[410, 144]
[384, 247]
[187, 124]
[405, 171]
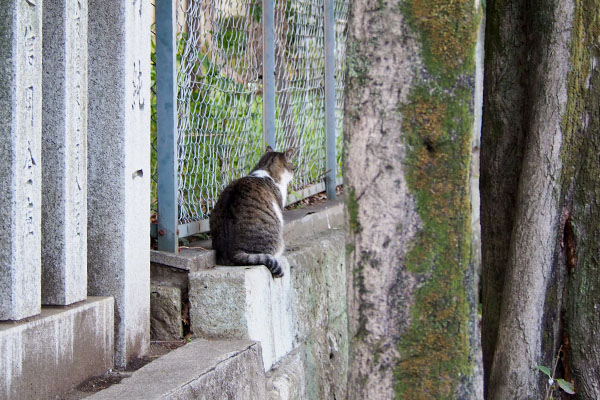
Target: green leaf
[566, 386]
[545, 370]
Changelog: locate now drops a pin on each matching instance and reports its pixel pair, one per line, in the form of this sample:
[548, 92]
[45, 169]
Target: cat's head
[278, 165]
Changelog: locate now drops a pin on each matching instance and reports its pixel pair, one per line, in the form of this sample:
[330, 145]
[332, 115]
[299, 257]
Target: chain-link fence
[299, 78]
[341, 18]
[219, 95]
[219, 105]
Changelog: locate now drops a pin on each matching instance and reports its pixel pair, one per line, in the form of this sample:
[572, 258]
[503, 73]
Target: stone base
[46, 355]
[211, 370]
[165, 313]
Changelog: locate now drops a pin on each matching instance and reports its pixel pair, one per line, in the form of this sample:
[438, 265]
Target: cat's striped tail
[243, 258]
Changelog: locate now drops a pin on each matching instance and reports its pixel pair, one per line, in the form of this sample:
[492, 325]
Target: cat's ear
[290, 152]
[269, 149]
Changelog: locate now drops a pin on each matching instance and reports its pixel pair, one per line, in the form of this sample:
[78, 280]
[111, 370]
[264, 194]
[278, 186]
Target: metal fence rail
[232, 75]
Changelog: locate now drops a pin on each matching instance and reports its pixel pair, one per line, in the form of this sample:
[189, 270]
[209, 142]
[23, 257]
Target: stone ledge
[47, 355]
[308, 221]
[202, 369]
[188, 259]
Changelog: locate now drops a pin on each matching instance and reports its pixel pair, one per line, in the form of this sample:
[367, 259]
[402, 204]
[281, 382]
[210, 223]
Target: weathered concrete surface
[119, 167]
[165, 313]
[20, 151]
[48, 354]
[287, 379]
[211, 370]
[319, 314]
[309, 221]
[188, 259]
[64, 150]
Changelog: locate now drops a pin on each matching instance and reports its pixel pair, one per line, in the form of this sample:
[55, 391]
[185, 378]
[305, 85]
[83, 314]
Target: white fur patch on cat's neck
[286, 178]
[261, 173]
[277, 209]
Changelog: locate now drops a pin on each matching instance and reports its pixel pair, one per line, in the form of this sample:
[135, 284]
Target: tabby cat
[246, 224]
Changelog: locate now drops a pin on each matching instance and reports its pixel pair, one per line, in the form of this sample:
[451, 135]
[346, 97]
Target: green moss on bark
[435, 354]
[437, 126]
[352, 206]
[357, 64]
[435, 349]
[586, 30]
[448, 32]
[581, 146]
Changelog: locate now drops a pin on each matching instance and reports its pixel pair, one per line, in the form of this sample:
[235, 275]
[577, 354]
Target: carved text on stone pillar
[29, 104]
[137, 4]
[29, 175]
[30, 45]
[138, 99]
[76, 182]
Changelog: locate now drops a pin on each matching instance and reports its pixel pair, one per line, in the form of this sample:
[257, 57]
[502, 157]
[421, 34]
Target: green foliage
[220, 112]
[219, 104]
[566, 386]
[545, 370]
[555, 383]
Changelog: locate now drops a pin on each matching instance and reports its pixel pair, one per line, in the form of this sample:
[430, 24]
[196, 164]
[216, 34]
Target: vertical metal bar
[268, 20]
[166, 119]
[330, 122]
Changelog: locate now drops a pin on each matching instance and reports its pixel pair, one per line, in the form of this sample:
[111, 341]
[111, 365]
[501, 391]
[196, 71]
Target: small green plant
[555, 384]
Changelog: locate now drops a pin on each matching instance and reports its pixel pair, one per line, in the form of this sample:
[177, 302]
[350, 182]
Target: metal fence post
[268, 21]
[330, 122]
[166, 119]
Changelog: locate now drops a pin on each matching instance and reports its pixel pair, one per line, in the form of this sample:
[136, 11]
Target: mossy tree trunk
[408, 129]
[540, 196]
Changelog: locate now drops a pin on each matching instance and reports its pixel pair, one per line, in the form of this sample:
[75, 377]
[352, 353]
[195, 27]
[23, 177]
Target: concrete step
[202, 369]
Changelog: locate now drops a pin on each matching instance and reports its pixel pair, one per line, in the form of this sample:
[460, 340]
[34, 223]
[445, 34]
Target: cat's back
[247, 216]
[245, 195]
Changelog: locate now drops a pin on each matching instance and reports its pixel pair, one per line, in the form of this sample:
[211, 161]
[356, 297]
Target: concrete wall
[316, 369]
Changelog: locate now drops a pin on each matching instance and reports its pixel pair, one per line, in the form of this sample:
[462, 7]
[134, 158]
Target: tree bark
[533, 186]
[501, 153]
[408, 129]
[581, 239]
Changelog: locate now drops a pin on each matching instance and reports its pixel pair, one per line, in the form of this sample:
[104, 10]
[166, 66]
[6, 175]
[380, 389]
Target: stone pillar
[119, 167]
[20, 151]
[64, 152]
